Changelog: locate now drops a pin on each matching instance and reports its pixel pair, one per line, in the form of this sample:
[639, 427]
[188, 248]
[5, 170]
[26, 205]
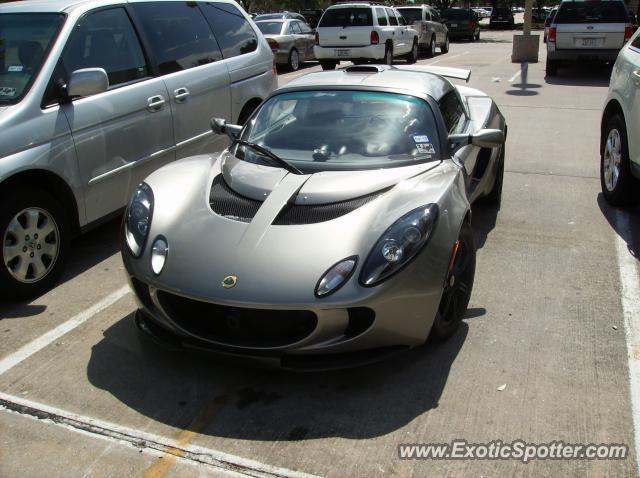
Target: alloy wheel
[612, 159]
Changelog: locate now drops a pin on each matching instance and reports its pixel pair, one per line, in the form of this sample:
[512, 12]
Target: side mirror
[87, 82]
[220, 126]
[485, 138]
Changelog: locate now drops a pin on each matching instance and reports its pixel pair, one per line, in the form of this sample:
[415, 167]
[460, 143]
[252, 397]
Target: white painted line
[448, 58]
[630, 292]
[516, 75]
[41, 342]
[140, 439]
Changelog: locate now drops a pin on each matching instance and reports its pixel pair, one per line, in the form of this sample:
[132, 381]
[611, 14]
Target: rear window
[455, 14]
[411, 14]
[500, 12]
[347, 17]
[592, 12]
[270, 28]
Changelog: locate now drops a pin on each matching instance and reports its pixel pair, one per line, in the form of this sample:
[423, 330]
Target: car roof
[42, 6]
[376, 76]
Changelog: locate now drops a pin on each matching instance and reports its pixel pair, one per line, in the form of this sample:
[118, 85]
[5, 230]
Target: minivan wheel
[432, 49]
[619, 187]
[35, 238]
[294, 60]
[328, 65]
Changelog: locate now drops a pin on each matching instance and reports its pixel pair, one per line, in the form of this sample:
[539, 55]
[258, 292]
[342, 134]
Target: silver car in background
[94, 96]
[427, 22]
[291, 41]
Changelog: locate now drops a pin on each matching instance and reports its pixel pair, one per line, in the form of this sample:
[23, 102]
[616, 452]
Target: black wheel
[388, 55]
[328, 64]
[431, 50]
[445, 46]
[294, 60]
[619, 186]
[412, 56]
[477, 37]
[457, 288]
[551, 68]
[495, 196]
[35, 239]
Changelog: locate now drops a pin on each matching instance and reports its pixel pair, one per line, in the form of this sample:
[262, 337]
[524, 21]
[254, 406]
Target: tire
[34, 231]
[444, 48]
[294, 60]
[457, 289]
[388, 56]
[412, 56]
[495, 195]
[328, 64]
[551, 68]
[477, 36]
[431, 51]
[619, 186]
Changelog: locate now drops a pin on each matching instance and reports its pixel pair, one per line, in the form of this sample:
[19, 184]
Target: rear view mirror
[87, 82]
[484, 138]
[220, 126]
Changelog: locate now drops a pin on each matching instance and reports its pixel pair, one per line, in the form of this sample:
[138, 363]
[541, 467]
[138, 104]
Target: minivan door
[123, 134]
[190, 63]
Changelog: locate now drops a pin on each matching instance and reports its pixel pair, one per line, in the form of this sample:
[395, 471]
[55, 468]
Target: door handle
[154, 103]
[180, 94]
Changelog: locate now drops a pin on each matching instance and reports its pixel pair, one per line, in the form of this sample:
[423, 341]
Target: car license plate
[343, 53]
[589, 42]
[454, 25]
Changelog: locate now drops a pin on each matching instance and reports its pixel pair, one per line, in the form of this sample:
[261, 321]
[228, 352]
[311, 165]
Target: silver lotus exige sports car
[333, 231]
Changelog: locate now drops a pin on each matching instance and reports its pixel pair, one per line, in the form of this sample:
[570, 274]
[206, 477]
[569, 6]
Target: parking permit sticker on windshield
[423, 145]
[7, 91]
[15, 68]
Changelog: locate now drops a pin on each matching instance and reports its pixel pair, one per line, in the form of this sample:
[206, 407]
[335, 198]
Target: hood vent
[227, 203]
[295, 214]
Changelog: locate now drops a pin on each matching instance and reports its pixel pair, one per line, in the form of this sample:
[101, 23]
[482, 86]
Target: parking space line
[448, 58]
[41, 342]
[629, 294]
[143, 440]
[516, 75]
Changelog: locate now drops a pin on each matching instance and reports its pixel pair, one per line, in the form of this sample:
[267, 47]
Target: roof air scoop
[366, 68]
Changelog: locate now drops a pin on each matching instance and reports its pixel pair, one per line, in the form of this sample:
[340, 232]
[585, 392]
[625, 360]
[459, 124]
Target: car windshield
[25, 38]
[270, 28]
[455, 14]
[411, 14]
[592, 12]
[342, 130]
[346, 17]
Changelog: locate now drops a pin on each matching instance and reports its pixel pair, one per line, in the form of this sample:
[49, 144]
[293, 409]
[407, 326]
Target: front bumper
[369, 52]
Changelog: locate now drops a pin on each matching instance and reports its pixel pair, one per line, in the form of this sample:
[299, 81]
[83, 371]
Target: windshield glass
[456, 14]
[345, 17]
[342, 130]
[25, 39]
[592, 12]
[270, 28]
[411, 14]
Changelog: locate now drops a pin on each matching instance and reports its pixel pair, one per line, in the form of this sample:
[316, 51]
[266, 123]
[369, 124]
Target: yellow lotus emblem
[229, 282]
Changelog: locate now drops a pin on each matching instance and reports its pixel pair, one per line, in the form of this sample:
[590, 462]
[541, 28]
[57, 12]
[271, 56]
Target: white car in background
[620, 129]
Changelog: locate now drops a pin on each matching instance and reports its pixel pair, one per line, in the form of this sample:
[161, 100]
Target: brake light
[628, 33]
[273, 44]
[551, 36]
[317, 39]
[375, 38]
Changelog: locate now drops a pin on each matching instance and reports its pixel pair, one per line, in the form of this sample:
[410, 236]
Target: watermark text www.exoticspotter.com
[515, 450]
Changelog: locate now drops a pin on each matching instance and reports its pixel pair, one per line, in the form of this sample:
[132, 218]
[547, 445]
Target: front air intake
[225, 202]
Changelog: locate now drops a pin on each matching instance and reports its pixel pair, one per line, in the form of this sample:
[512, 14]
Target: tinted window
[592, 12]
[270, 28]
[24, 41]
[456, 14]
[382, 17]
[233, 31]
[105, 39]
[411, 14]
[501, 12]
[452, 113]
[435, 16]
[179, 35]
[295, 28]
[392, 18]
[345, 17]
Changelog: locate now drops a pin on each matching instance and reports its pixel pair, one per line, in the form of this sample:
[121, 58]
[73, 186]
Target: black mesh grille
[227, 203]
[303, 214]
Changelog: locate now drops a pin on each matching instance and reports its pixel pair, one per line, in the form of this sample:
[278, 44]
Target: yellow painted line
[185, 437]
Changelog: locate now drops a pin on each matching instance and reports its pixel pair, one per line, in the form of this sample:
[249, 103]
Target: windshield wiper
[272, 156]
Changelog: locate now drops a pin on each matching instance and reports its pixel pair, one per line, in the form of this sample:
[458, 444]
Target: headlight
[159, 253]
[336, 277]
[399, 244]
[138, 220]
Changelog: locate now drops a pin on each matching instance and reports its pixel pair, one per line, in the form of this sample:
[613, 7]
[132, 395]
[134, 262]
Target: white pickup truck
[427, 22]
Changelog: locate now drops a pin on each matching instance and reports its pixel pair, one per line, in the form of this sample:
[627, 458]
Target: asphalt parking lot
[542, 355]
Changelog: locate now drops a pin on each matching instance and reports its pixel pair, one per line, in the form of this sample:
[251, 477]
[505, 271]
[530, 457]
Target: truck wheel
[412, 56]
[431, 51]
[445, 46]
[35, 239]
[388, 55]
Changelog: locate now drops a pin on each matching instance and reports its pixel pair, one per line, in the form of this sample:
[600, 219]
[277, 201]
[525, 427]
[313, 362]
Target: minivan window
[179, 35]
[270, 28]
[411, 14]
[105, 39]
[25, 39]
[347, 17]
[234, 33]
[592, 12]
[456, 14]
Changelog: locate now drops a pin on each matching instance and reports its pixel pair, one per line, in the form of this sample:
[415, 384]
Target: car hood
[278, 261]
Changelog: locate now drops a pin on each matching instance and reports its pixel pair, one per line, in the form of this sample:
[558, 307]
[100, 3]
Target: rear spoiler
[457, 73]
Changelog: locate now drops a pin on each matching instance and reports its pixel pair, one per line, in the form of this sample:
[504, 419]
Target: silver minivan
[94, 96]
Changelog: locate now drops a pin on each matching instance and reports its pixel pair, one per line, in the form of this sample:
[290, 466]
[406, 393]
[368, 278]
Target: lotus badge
[229, 282]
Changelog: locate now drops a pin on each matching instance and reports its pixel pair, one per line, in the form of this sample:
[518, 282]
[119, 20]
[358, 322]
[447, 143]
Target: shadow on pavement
[581, 74]
[175, 389]
[483, 220]
[626, 223]
[524, 88]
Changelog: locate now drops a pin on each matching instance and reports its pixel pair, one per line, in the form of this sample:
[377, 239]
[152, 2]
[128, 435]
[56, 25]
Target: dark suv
[462, 23]
[501, 18]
